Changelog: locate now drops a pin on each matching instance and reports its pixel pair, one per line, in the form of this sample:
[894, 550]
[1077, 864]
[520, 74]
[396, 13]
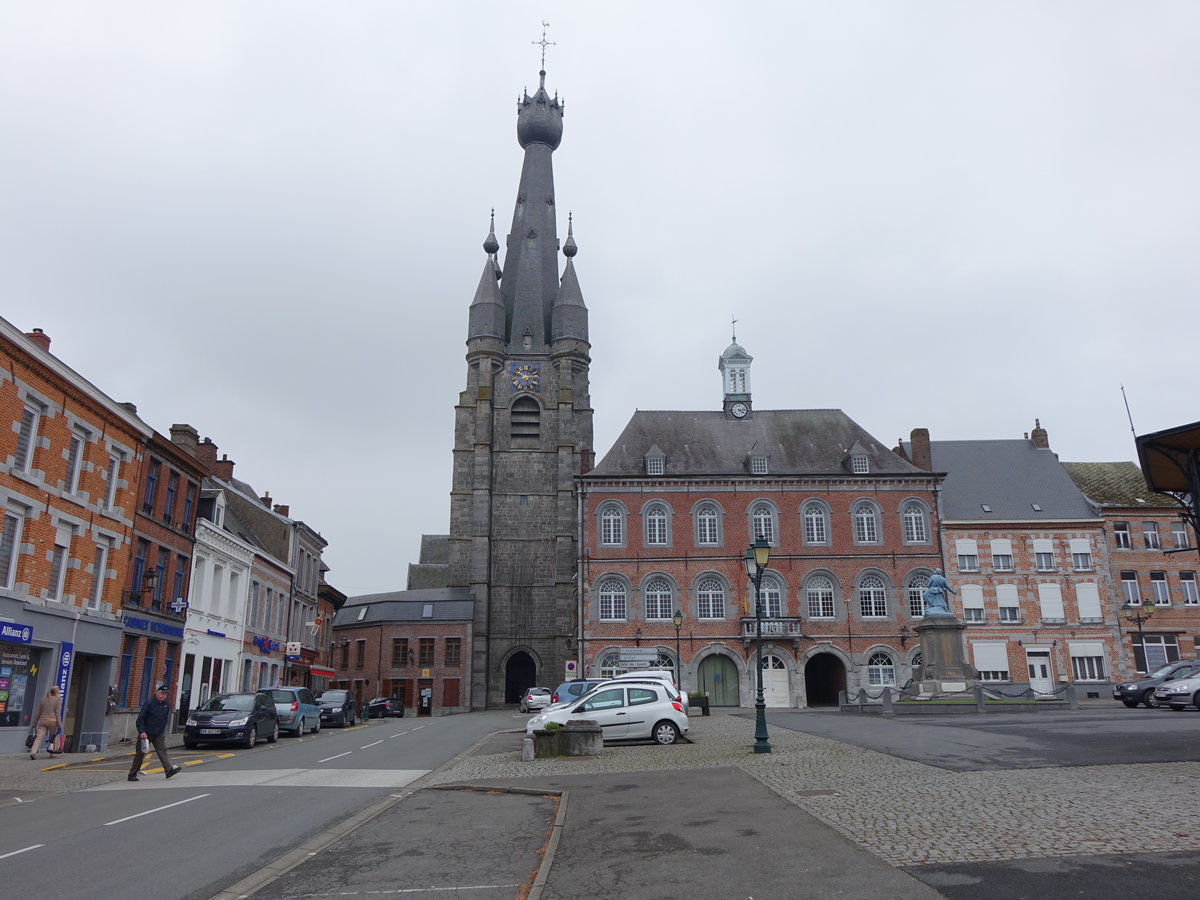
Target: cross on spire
[733, 327]
[543, 43]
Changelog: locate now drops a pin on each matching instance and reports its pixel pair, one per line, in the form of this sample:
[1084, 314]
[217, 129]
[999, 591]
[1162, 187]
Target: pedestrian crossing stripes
[194, 778]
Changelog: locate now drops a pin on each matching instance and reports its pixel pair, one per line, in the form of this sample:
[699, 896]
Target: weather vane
[544, 43]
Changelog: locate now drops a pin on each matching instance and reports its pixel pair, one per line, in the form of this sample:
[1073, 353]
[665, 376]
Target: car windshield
[333, 697]
[239, 702]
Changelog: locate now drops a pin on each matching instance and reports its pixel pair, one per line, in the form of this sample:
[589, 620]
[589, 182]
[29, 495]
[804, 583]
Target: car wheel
[190, 745]
[1150, 700]
[298, 731]
[274, 735]
[522, 708]
[1196, 700]
[316, 729]
[665, 732]
[251, 737]
[1132, 704]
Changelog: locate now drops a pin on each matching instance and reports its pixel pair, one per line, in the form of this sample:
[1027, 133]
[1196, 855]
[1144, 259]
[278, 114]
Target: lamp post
[677, 620]
[757, 556]
[1138, 615]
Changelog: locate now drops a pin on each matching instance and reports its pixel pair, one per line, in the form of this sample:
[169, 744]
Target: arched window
[816, 523]
[771, 598]
[610, 665]
[820, 597]
[612, 526]
[916, 525]
[525, 421]
[657, 532]
[612, 600]
[872, 597]
[710, 599]
[866, 523]
[915, 589]
[762, 521]
[708, 525]
[659, 599]
[881, 670]
[918, 660]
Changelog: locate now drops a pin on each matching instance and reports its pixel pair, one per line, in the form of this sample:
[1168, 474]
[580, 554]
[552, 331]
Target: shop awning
[321, 670]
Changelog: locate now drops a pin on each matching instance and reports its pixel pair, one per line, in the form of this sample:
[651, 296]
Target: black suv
[240, 718]
[1131, 693]
[338, 707]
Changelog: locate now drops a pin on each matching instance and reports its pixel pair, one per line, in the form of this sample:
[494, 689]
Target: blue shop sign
[18, 634]
[265, 644]
[153, 626]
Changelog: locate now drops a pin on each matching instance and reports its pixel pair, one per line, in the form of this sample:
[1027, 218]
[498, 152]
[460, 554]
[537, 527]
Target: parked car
[535, 698]
[338, 707]
[629, 711]
[385, 708]
[662, 675]
[235, 718]
[573, 690]
[1179, 693]
[298, 709]
[1131, 693]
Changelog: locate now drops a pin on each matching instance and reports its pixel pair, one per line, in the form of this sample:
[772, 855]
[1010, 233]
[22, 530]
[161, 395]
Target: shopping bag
[57, 743]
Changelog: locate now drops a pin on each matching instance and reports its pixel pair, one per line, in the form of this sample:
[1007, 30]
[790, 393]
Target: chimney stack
[207, 453]
[186, 438]
[1040, 438]
[265, 499]
[40, 338]
[282, 510]
[223, 468]
[922, 457]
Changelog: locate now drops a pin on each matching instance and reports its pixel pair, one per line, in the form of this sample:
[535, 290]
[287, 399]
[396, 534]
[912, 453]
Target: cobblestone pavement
[909, 813]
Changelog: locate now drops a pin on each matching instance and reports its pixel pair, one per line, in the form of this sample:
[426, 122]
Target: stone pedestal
[944, 669]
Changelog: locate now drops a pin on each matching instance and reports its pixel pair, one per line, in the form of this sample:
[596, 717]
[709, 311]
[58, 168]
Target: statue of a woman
[936, 602]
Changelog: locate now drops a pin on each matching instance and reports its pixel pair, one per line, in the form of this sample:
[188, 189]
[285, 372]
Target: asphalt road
[225, 816]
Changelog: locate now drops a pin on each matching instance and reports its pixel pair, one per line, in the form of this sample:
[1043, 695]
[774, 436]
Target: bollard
[1072, 697]
[887, 701]
[978, 692]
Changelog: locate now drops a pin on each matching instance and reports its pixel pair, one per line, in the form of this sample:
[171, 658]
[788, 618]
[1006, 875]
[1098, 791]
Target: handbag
[29, 738]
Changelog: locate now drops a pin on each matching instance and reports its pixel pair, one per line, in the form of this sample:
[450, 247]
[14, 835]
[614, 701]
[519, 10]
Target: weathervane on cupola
[734, 365]
[543, 43]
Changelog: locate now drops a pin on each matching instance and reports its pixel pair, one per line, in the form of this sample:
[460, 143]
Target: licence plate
[210, 730]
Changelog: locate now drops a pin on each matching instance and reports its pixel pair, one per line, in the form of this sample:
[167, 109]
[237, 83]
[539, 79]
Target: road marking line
[338, 756]
[398, 735]
[22, 850]
[158, 809]
[380, 741]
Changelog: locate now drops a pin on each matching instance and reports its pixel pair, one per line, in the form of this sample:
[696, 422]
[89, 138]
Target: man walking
[152, 724]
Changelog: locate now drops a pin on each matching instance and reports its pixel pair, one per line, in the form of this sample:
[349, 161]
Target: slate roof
[706, 443]
[1116, 484]
[1010, 477]
[449, 605]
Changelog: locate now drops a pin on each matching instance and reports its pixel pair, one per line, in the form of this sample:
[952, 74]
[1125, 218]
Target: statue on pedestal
[936, 601]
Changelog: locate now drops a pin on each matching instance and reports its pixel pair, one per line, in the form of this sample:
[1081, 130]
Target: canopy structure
[1170, 461]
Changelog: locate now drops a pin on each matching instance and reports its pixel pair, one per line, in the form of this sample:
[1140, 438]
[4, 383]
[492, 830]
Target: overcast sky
[264, 219]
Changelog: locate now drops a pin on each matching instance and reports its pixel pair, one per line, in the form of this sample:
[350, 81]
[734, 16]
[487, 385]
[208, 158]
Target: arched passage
[718, 677]
[824, 676]
[520, 674]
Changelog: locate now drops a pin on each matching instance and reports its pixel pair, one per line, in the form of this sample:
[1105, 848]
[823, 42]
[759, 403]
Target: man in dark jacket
[152, 724]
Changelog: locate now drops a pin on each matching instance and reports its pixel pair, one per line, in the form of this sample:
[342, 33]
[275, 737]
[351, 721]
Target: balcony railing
[773, 627]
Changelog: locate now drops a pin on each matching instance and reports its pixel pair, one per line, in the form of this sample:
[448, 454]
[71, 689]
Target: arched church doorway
[824, 676]
[520, 674]
[718, 677]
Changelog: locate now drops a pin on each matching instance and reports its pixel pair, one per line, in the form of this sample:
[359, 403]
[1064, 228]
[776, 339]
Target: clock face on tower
[524, 376]
[739, 410]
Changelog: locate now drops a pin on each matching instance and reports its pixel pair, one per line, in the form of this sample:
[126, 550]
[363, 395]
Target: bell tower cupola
[734, 365]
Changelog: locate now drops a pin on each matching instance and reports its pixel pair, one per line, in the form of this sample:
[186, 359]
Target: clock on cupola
[734, 365]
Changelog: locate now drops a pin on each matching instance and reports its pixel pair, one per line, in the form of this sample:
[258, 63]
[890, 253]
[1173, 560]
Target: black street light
[758, 555]
[1138, 615]
[677, 619]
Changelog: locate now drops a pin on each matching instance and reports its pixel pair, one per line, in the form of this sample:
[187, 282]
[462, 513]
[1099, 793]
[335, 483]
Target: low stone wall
[581, 738]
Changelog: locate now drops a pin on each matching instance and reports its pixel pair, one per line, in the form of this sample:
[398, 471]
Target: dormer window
[758, 464]
[656, 462]
[427, 611]
[859, 464]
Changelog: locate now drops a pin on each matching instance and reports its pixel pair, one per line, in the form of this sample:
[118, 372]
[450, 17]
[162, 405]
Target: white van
[656, 675]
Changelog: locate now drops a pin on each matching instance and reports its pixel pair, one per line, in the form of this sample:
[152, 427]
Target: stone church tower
[522, 433]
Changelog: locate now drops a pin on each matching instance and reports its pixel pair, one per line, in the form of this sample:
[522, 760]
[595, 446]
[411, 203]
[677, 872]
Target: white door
[775, 682]
[608, 708]
[1039, 673]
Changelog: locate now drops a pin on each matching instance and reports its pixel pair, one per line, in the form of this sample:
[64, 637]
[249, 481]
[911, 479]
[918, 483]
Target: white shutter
[1080, 545]
[1085, 648]
[1088, 595]
[1006, 595]
[972, 596]
[1001, 547]
[1050, 598]
[966, 547]
[1043, 545]
[990, 656]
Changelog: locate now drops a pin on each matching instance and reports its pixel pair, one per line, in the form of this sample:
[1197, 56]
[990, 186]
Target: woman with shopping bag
[48, 720]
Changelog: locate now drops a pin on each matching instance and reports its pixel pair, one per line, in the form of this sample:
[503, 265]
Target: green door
[719, 679]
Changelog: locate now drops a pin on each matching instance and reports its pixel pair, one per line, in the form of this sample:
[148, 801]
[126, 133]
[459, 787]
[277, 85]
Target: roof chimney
[922, 457]
[282, 509]
[207, 453]
[1039, 436]
[265, 499]
[40, 338]
[186, 438]
[223, 468]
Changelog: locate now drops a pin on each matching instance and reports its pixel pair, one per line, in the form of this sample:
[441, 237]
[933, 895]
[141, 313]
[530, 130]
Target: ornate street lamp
[1138, 615]
[758, 555]
[677, 619]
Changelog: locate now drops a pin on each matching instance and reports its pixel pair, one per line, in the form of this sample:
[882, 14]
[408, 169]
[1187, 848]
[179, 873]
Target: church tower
[523, 432]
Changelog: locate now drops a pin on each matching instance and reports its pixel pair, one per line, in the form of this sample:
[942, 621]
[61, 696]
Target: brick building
[68, 485]
[668, 515]
[1152, 555]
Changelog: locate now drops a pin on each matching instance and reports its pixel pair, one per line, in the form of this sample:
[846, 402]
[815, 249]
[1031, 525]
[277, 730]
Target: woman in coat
[48, 720]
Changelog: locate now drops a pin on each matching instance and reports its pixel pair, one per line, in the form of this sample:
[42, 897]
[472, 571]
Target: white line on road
[398, 735]
[158, 809]
[372, 744]
[22, 850]
[328, 758]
